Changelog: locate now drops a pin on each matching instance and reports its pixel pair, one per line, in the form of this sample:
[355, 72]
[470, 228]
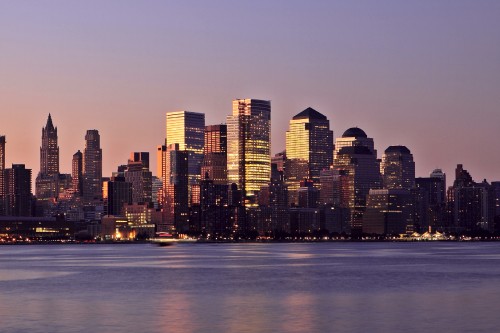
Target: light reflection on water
[341, 287]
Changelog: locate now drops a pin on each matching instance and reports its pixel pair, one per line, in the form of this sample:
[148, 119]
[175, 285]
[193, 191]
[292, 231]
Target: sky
[424, 74]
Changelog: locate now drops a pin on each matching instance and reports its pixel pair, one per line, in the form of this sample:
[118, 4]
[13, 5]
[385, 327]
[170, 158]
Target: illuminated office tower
[248, 150]
[92, 166]
[359, 172]
[46, 185]
[77, 173]
[354, 136]
[187, 129]
[309, 149]
[398, 168]
[2, 175]
[215, 154]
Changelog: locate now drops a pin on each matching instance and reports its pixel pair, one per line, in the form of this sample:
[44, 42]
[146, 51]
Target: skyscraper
[49, 151]
[215, 154]
[473, 203]
[398, 168]
[359, 172]
[187, 129]
[2, 175]
[46, 185]
[92, 166]
[140, 177]
[354, 136]
[176, 185]
[248, 151]
[309, 149]
[18, 191]
[77, 173]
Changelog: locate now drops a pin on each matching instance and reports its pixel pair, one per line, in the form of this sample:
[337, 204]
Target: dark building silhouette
[359, 172]
[2, 176]
[430, 201]
[92, 166]
[77, 173]
[117, 193]
[388, 211]
[472, 204]
[19, 199]
[398, 168]
[176, 189]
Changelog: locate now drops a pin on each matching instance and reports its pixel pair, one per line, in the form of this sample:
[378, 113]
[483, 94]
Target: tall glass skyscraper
[92, 166]
[187, 129]
[215, 154]
[248, 146]
[309, 148]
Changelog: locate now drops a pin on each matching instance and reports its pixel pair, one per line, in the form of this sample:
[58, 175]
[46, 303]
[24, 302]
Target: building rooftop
[310, 113]
[354, 132]
[398, 149]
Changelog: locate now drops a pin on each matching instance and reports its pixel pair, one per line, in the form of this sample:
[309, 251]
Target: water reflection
[273, 288]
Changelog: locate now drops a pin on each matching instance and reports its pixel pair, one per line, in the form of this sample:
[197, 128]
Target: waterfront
[310, 287]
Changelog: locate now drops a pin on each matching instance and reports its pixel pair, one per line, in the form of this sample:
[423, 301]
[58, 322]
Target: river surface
[326, 287]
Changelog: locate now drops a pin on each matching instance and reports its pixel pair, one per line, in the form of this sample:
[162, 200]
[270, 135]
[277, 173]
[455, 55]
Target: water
[328, 287]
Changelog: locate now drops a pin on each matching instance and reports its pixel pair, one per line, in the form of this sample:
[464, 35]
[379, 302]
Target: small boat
[167, 239]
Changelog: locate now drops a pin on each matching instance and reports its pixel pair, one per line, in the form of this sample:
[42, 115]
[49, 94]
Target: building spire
[49, 125]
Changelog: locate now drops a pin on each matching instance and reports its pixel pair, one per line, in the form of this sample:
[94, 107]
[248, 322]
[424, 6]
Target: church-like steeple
[50, 125]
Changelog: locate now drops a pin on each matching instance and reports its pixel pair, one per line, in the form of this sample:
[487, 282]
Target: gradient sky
[425, 74]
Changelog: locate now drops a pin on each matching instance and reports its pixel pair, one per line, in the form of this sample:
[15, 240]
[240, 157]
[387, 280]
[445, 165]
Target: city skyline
[66, 166]
[423, 75]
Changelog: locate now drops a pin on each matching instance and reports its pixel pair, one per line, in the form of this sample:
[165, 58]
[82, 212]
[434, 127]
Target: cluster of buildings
[220, 181]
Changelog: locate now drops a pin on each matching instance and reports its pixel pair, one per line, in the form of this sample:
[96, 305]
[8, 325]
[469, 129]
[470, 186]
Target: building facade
[248, 151]
[187, 129]
[309, 149]
[398, 168]
[46, 184]
[92, 166]
[215, 154]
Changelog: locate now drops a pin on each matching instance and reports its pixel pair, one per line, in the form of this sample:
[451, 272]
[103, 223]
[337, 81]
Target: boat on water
[167, 239]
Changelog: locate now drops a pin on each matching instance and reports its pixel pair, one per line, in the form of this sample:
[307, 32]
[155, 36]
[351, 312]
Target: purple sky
[424, 74]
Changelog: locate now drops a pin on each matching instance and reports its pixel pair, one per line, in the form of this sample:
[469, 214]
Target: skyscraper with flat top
[248, 150]
[187, 129]
[77, 173]
[215, 154]
[92, 166]
[18, 191]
